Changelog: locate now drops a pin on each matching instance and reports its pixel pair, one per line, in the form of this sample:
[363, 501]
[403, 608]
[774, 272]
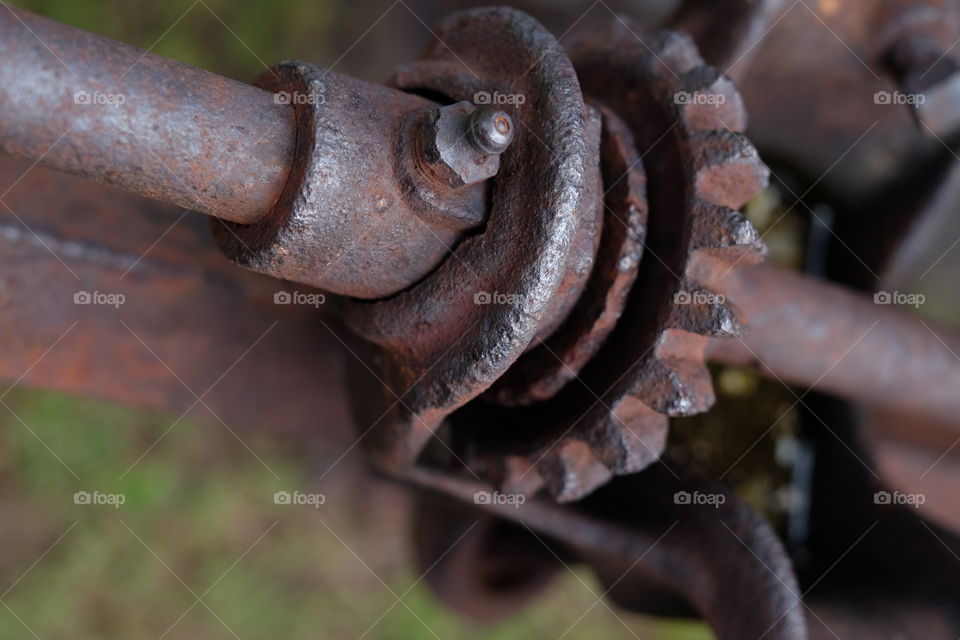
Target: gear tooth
[628, 437]
[675, 380]
[699, 310]
[729, 171]
[676, 51]
[707, 100]
[726, 322]
[571, 471]
[717, 227]
[693, 388]
[676, 387]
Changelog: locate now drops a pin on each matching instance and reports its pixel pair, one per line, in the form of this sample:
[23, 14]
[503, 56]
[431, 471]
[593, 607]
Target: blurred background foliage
[200, 521]
[199, 549]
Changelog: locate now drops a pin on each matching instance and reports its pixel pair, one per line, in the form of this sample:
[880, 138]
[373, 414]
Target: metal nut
[462, 144]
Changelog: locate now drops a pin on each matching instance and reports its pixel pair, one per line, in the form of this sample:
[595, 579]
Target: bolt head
[491, 130]
[451, 152]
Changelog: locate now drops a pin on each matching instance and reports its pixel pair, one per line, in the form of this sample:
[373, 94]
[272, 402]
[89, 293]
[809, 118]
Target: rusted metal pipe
[814, 334]
[314, 174]
[109, 112]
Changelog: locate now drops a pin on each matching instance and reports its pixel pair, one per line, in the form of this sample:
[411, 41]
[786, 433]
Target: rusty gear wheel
[676, 169]
[624, 174]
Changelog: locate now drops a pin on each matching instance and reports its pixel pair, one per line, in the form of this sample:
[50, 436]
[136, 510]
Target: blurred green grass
[199, 509]
[192, 32]
[198, 502]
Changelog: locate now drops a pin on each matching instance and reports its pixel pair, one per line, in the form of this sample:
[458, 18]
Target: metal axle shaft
[89, 106]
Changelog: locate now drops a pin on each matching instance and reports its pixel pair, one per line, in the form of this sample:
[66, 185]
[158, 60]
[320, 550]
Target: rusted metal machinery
[535, 251]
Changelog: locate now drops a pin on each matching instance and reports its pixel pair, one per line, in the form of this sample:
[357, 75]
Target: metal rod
[814, 334]
[699, 558]
[83, 104]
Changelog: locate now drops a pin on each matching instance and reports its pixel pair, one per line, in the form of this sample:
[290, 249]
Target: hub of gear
[551, 348]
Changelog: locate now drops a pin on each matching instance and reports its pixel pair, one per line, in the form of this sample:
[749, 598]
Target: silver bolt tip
[491, 130]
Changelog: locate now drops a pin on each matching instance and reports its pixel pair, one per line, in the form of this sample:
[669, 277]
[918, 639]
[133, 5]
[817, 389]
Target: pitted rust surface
[540, 374]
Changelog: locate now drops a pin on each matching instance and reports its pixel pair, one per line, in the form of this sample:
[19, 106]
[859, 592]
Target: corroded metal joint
[565, 306]
[568, 311]
[344, 222]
